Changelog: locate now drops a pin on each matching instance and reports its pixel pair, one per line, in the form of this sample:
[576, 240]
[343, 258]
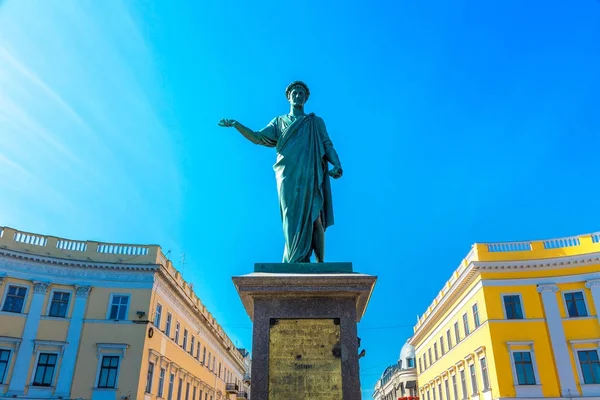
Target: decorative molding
[61, 271]
[111, 348]
[40, 287]
[82, 291]
[589, 284]
[49, 343]
[480, 351]
[16, 342]
[153, 356]
[469, 358]
[547, 263]
[547, 287]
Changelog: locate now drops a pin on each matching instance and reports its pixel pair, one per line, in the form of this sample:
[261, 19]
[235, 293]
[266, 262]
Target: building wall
[81, 342]
[540, 274]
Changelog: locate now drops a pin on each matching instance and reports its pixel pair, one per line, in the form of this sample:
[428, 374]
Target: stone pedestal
[304, 339]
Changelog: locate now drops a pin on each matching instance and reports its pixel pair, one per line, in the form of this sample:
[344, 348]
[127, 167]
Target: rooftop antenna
[168, 254]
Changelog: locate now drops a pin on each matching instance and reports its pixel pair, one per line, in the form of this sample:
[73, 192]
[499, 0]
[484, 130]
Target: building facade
[515, 320]
[89, 320]
[399, 381]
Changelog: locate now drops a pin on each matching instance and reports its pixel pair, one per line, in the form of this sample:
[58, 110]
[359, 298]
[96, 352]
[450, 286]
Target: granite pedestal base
[304, 339]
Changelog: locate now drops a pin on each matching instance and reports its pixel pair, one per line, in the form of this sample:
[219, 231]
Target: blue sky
[456, 122]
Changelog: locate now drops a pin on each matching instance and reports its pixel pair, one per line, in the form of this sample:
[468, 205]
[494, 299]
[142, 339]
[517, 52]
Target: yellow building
[515, 320]
[89, 320]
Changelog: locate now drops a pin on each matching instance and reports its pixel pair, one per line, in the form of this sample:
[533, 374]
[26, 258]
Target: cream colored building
[89, 320]
[399, 381]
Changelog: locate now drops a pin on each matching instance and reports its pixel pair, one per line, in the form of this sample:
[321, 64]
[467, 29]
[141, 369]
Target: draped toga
[303, 183]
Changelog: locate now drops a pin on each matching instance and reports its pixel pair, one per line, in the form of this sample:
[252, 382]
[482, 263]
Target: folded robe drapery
[303, 183]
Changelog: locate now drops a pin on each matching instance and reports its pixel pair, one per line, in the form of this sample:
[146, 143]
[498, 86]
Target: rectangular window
[161, 382]
[204, 356]
[476, 316]
[440, 391]
[466, 324]
[429, 353]
[200, 398]
[15, 299]
[512, 307]
[524, 368]
[411, 362]
[45, 369]
[179, 388]
[177, 332]
[60, 304]
[447, 387]
[449, 338]
[420, 366]
[194, 393]
[484, 374]
[575, 304]
[198, 351]
[456, 333]
[192, 345]
[590, 366]
[428, 395]
[185, 336]
[157, 315]
[433, 392]
[4, 357]
[149, 378]
[171, 383]
[187, 391]
[442, 347]
[463, 384]
[118, 307]
[435, 352]
[219, 370]
[473, 379]
[454, 387]
[108, 372]
[168, 325]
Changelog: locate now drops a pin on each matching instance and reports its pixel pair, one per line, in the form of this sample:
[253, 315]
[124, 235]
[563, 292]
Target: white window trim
[156, 312]
[466, 314]
[109, 349]
[170, 324]
[503, 295]
[110, 303]
[525, 390]
[587, 389]
[585, 301]
[8, 286]
[35, 367]
[69, 304]
[475, 326]
[11, 351]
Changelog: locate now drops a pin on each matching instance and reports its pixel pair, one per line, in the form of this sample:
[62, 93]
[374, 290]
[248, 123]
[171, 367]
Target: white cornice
[76, 263]
[543, 263]
[38, 268]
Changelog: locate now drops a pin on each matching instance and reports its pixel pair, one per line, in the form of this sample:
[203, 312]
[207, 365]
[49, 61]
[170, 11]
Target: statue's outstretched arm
[244, 130]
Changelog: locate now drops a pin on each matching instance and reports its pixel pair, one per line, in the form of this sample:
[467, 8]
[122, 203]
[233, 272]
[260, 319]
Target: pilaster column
[558, 340]
[67, 365]
[25, 353]
[594, 286]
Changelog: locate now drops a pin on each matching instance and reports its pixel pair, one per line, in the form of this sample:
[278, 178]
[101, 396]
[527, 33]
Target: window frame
[585, 303]
[37, 365]
[162, 373]
[457, 333]
[475, 312]
[525, 390]
[168, 322]
[157, 315]
[442, 346]
[25, 298]
[69, 303]
[177, 330]
[587, 389]
[109, 350]
[110, 305]
[8, 361]
[184, 343]
[449, 338]
[150, 377]
[465, 321]
[520, 296]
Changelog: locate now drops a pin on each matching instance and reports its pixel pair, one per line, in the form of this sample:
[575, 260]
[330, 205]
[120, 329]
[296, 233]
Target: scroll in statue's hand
[227, 123]
[336, 172]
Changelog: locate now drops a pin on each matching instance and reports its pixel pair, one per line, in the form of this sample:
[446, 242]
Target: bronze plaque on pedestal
[305, 359]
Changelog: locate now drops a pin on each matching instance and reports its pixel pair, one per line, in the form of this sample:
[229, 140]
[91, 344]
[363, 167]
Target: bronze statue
[301, 170]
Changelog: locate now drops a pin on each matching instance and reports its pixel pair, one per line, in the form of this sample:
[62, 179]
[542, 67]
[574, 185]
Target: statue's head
[297, 93]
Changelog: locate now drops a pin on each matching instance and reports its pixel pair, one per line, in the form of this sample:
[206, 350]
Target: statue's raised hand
[227, 123]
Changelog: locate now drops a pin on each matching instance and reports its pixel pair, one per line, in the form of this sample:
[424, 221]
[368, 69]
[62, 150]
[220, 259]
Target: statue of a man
[301, 170]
